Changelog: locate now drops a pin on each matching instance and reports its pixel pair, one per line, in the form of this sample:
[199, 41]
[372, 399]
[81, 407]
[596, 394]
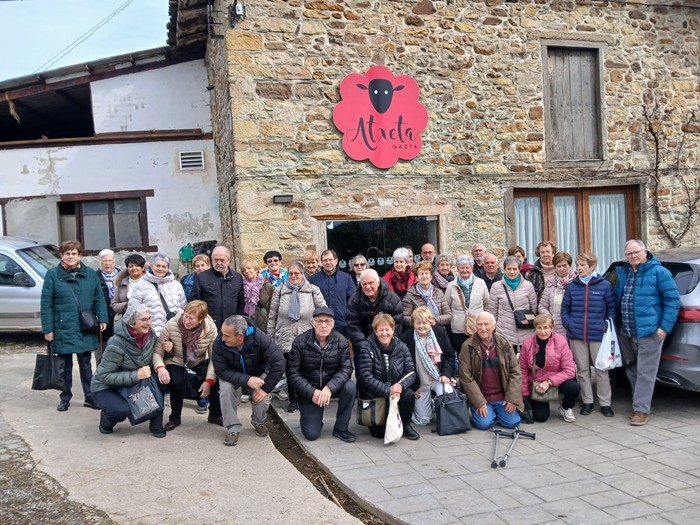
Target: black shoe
[409, 432]
[607, 411]
[63, 406]
[91, 404]
[172, 425]
[344, 435]
[292, 407]
[216, 420]
[105, 430]
[160, 433]
[586, 409]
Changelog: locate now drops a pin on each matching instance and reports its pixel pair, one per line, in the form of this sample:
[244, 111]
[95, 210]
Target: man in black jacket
[319, 368]
[240, 355]
[220, 287]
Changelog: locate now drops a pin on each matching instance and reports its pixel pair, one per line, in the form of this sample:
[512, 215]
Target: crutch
[498, 433]
[517, 433]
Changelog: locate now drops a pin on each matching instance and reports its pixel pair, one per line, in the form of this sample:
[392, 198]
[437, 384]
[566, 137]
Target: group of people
[301, 332]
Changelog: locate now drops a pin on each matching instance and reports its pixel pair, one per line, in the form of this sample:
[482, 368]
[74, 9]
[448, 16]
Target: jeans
[569, 388]
[642, 374]
[115, 409]
[230, 396]
[495, 410]
[311, 415]
[85, 368]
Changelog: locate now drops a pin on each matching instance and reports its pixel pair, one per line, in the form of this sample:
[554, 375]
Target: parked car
[680, 357]
[23, 265]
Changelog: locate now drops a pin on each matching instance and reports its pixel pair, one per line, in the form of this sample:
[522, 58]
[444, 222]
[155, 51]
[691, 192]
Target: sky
[34, 32]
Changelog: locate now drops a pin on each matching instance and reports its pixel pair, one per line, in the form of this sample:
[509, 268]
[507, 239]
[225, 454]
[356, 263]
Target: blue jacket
[585, 308]
[656, 297]
[337, 289]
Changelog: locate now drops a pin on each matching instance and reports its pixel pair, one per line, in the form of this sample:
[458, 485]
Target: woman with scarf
[423, 293]
[400, 277]
[125, 281]
[550, 302]
[106, 273]
[467, 295]
[186, 342]
[257, 293]
[588, 301]
[513, 288]
[291, 311]
[432, 356]
[442, 276]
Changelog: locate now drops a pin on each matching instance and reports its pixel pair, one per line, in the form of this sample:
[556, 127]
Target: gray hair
[160, 257]
[105, 252]
[511, 259]
[442, 257]
[296, 264]
[133, 312]
[402, 253]
[641, 244]
[478, 244]
[358, 257]
[238, 323]
[370, 272]
[221, 247]
[465, 259]
[486, 314]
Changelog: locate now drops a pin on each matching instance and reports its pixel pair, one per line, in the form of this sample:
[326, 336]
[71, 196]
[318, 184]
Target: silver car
[680, 358]
[23, 265]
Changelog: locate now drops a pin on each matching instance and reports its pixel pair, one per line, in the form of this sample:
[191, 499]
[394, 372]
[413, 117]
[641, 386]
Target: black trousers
[115, 409]
[457, 340]
[85, 368]
[290, 391]
[311, 415]
[177, 379]
[570, 388]
[406, 403]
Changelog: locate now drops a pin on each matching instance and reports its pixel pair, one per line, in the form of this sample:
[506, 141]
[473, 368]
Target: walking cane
[498, 433]
[518, 433]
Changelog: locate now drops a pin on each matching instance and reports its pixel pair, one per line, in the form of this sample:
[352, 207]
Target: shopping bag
[394, 425]
[609, 355]
[144, 399]
[49, 371]
[451, 412]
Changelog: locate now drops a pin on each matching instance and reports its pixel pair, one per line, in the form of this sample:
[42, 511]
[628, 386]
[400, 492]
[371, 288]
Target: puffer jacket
[524, 298]
[558, 362]
[536, 277]
[337, 289]
[361, 312]
[121, 359]
[478, 302]
[148, 291]
[470, 366]
[413, 300]
[375, 374]
[279, 326]
[550, 302]
[262, 309]
[656, 297]
[171, 332]
[311, 367]
[258, 354]
[586, 307]
[59, 310]
[222, 293]
[447, 358]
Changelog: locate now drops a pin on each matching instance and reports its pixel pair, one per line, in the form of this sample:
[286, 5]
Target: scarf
[140, 338]
[399, 281]
[586, 280]
[442, 280]
[294, 312]
[251, 293]
[466, 287]
[513, 283]
[427, 296]
[70, 269]
[429, 354]
[189, 340]
[108, 278]
[562, 282]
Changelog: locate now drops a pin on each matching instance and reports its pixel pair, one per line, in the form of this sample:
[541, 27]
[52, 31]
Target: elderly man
[478, 252]
[371, 297]
[489, 372]
[220, 287]
[427, 252]
[648, 299]
[337, 288]
[319, 368]
[241, 354]
[492, 272]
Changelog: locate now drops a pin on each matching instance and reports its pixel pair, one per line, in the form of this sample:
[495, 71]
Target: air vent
[191, 160]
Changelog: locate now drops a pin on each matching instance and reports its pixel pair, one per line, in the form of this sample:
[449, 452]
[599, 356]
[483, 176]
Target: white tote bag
[394, 426]
[609, 355]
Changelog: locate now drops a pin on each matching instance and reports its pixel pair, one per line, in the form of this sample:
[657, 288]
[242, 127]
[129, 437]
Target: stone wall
[479, 66]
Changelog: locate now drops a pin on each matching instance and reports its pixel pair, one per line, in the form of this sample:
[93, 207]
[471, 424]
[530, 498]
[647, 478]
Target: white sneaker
[567, 414]
[282, 395]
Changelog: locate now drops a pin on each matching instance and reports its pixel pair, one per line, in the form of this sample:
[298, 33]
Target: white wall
[173, 97]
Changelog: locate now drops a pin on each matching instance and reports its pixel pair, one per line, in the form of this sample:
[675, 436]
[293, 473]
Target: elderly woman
[432, 356]
[125, 281]
[312, 263]
[126, 361]
[512, 289]
[70, 288]
[442, 276]
[423, 293]
[546, 359]
[160, 291]
[291, 311]
[588, 301]
[467, 295]
[358, 264]
[257, 293]
[385, 369]
[106, 273]
[274, 274]
[186, 343]
[550, 302]
[200, 263]
[400, 277]
[519, 252]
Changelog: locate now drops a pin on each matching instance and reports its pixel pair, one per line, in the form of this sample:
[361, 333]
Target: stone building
[538, 119]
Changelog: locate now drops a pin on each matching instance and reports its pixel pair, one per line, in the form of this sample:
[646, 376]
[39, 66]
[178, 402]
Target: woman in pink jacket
[547, 359]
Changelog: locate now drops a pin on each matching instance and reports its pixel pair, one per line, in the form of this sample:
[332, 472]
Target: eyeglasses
[272, 261]
[323, 321]
[360, 265]
[632, 254]
[145, 319]
[294, 274]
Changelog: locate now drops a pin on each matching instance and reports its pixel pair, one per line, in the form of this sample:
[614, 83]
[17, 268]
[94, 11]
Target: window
[105, 222]
[8, 269]
[574, 120]
[593, 220]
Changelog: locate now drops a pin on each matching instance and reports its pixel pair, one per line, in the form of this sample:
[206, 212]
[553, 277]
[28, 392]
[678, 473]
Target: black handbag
[523, 318]
[88, 319]
[194, 377]
[49, 371]
[372, 412]
[168, 314]
[451, 414]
